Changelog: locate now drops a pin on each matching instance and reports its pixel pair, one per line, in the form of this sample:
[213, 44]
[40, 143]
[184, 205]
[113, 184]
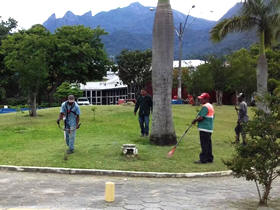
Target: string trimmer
[64, 133]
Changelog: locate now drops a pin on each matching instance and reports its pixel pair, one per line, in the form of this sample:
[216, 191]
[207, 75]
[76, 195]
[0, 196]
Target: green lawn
[26, 141]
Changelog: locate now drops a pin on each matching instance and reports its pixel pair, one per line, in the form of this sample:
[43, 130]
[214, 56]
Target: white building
[106, 92]
[112, 89]
[188, 63]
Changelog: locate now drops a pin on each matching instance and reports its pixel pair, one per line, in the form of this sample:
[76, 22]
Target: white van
[83, 101]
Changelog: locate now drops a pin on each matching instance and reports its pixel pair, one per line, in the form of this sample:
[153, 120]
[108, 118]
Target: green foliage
[2, 93]
[258, 160]
[273, 60]
[66, 89]
[15, 101]
[26, 55]
[241, 75]
[5, 74]
[76, 54]
[6, 27]
[210, 76]
[274, 86]
[200, 80]
[135, 68]
[264, 17]
[230, 25]
[218, 69]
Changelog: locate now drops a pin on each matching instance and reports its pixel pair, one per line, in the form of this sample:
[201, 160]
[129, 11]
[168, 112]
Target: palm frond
[253, 8]
[271, 27]
[275, 19]
[273, 7]
[235, 24]
[275, 40]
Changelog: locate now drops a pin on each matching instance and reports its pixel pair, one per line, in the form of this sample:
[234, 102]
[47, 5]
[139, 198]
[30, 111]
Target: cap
[71, 98]
[204, 96]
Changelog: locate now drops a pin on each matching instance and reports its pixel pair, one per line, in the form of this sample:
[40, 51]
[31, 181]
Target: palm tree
[263, 15]
[163, 132]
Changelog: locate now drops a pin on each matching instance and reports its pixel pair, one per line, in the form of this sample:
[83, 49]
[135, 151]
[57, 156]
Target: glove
[57, 121]
[194, 121]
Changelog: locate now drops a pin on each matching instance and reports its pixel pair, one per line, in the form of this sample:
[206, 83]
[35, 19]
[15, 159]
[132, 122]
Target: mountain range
[131, 28]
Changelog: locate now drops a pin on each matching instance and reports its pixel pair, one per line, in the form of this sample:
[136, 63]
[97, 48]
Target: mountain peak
[52, 17]
[136, 5]
[69, 14]
[87, 14]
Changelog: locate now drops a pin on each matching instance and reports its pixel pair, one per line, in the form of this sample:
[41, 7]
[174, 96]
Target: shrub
[259, 159]
[15, 101]
[66, 89]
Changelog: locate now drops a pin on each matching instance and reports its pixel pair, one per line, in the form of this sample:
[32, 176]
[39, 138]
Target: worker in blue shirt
[70, 113]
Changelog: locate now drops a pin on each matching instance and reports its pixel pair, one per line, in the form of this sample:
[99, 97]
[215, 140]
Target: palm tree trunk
[262, 73]
[163, 132]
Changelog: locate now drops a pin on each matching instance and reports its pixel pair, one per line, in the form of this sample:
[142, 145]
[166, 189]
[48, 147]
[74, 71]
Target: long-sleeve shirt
[145, 105]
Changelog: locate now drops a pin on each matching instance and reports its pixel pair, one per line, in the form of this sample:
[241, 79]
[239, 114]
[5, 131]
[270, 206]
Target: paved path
[27, 190]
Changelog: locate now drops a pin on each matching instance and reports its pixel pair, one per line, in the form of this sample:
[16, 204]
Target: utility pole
[180, 35]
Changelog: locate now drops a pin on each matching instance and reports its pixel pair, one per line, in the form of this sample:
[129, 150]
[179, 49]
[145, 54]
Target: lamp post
[180, 35]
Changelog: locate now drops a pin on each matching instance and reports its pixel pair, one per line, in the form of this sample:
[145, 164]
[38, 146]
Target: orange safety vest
[211, 111]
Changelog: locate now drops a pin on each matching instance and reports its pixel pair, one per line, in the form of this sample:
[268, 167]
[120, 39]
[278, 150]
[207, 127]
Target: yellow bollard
[110, 191]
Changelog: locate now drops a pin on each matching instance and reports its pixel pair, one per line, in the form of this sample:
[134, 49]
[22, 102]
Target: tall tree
[163, 132]
[76, 54]
[135, 68]
[265, 17]
[6, 28]
[218, 70]
[26, 55]
[200, 80]
[241, 72]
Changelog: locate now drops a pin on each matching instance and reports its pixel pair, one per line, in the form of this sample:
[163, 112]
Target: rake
[170, 154]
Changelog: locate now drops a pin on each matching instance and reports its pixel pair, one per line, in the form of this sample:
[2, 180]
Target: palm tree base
[164, 139]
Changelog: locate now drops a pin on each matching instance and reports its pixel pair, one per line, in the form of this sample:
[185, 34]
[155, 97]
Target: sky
[30, 12]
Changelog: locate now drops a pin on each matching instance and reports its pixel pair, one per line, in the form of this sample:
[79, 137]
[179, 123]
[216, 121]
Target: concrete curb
[113, 172]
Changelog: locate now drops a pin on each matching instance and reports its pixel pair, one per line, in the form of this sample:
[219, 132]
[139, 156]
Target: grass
[38, 141]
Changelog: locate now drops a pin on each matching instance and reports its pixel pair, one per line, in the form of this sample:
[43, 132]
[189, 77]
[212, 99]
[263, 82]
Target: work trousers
[70, 138]
[206, 147]
[144, 124]
[239, 130]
